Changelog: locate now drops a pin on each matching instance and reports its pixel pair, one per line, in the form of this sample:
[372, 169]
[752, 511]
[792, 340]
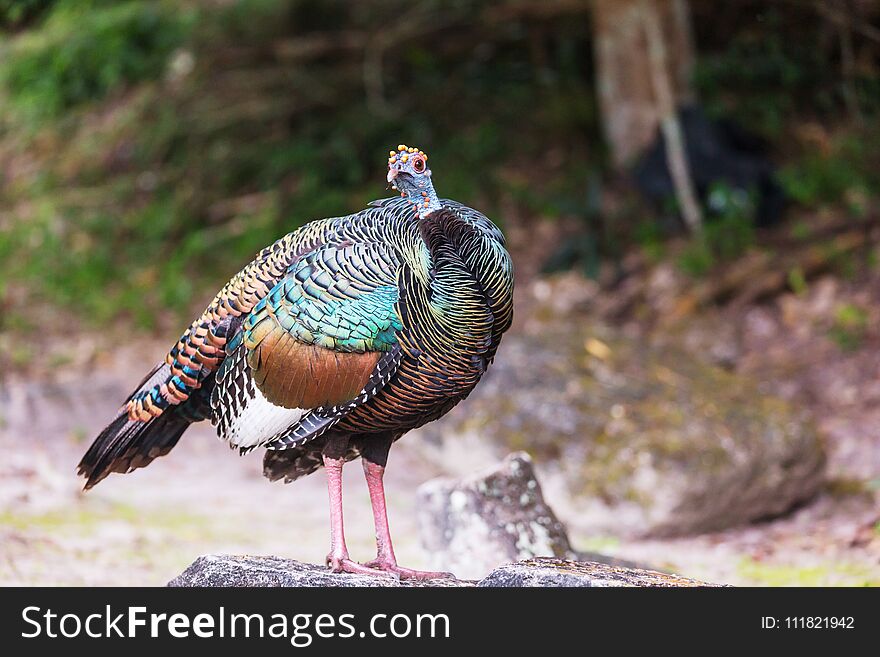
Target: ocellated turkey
[330, 345]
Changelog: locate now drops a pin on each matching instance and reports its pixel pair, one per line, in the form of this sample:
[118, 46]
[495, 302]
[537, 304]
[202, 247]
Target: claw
[405, 573]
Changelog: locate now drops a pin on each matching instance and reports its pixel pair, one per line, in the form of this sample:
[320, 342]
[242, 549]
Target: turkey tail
[125, 445]
[291, 464]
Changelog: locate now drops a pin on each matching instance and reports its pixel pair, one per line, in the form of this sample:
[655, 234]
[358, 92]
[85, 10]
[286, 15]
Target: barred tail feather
[126, 445]
[291, 464]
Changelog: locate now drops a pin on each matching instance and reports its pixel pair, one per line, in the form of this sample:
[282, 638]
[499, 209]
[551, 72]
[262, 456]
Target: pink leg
[338, 559]
[385, 559]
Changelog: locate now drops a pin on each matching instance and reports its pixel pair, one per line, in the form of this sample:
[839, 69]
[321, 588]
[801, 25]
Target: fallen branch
[812, 261]
[318, 45]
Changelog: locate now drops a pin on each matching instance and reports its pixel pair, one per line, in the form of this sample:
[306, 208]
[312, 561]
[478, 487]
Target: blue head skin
[408, 172]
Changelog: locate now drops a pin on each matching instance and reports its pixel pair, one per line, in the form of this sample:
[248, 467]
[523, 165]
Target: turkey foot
[344, 564]
[384, 565]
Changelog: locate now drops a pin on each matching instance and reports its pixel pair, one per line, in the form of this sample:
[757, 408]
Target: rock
[633, 438]
[469, 526]
[554, 572]
[230, 570]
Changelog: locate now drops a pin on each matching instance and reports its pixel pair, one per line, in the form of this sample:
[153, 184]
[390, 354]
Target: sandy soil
[144, 528]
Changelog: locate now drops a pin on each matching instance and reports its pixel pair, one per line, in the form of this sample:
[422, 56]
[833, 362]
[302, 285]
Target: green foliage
[650, 237]
[850, 327]
[797, 281]
[729, 230]
[153, 146]
[846, 173]
[14, 13]
[214, 145]
[816, 179]
[831, 573]
[75, 261]
[732, 228]
[85, 49]
[697, 258]
[777, 66]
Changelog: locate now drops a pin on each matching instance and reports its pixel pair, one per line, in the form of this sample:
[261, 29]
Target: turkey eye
[419, 165]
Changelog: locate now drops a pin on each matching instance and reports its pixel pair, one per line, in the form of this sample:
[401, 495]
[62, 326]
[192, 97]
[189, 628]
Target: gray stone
[633, 437]
[469, 526]
[544, 572]
[232, 571]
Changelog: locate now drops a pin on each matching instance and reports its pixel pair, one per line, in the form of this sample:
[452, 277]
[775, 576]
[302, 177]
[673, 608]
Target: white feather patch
[259, 420]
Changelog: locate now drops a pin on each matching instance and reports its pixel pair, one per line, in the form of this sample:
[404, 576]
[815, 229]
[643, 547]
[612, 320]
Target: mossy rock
[646, 439]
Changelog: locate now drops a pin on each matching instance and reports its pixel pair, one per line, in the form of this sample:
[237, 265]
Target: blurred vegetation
[149, 148]
[728, 235]
[846, 170]
[778, 63]
[779, 73]
[172, 140]
[850, 327]
[86, 48]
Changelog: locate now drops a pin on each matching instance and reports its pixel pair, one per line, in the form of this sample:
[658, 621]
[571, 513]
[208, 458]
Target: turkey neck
[457, 300]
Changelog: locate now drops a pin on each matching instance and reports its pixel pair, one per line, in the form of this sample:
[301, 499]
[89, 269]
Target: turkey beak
[392, 176]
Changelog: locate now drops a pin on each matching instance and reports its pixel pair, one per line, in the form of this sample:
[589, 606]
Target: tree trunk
[631, 110]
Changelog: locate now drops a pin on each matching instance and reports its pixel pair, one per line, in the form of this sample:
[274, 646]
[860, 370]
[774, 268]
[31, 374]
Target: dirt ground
[144, 528]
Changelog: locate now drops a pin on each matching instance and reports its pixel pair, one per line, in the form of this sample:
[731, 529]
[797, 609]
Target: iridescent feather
[373, 322]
